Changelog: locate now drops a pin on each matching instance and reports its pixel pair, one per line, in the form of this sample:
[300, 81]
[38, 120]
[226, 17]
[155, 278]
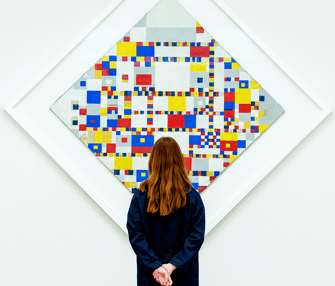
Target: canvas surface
[167, 77]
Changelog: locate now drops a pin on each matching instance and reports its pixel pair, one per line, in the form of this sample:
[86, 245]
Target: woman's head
[167, 177]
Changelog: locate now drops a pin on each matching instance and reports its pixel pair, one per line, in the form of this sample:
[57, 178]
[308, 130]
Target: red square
[229, 113]
[176, 121]
[244, 108]
[110, 148]
[143, 79]
[229, 96]
[125, 77]
[82, 111]
[200, 29]
[124, 139]
[200, 51]
[124, 122]
[188, 163]
[105, 72]
[82, 127]
[98, 66]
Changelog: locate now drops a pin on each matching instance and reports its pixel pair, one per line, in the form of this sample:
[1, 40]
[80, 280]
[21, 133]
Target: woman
[166, 221]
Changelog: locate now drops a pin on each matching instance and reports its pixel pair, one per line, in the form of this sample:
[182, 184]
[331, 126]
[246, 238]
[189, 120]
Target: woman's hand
[169, 268]
[161, 275]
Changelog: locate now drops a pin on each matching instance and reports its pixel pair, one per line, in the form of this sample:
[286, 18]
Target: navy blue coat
[175, 238]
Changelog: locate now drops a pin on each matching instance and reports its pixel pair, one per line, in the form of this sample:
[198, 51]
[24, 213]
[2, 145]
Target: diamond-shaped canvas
[167, 77]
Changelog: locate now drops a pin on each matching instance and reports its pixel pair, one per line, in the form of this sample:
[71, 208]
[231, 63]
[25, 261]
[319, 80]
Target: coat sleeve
[138, 240]
[193, 242]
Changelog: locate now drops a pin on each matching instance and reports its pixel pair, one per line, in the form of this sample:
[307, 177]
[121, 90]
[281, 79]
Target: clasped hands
[163, 274]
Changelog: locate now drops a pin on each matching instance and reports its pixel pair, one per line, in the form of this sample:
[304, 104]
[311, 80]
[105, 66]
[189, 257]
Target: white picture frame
[84, 182]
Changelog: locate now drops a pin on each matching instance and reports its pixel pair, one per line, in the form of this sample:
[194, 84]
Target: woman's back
[175, 238]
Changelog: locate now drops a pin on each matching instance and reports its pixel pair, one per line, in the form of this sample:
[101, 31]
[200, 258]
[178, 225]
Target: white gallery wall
[53, 233]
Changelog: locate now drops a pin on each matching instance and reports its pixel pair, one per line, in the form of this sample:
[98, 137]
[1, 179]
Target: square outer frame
[66, 165]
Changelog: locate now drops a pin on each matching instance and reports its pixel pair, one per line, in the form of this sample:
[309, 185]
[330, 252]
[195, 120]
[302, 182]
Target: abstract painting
[167, 77]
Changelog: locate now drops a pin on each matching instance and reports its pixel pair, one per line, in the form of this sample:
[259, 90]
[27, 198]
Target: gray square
[200, 164]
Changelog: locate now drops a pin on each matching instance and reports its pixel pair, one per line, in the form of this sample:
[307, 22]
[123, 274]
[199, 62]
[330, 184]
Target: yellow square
[103, 111]
[243, 84]
[97, 137]
[95, 147]
[263, 127]
[123, 163]
[227, 145]
[143, 174]
[177, 103]
[246, 125]
[142, 140]
[126, 49]
[98, 74]
[235, 66]
[228, 136]
[112, 65]
[106, 137]
[243, 95]
[255, 85]
[198, 67]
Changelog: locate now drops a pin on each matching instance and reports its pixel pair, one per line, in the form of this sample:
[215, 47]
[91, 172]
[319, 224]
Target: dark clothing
[175, 238]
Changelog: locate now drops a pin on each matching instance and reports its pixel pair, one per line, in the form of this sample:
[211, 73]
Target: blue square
[111, 122]
[105, 65]
[145, 51]
[142, 175]
[93, 96]
[200, 80]
[190, 121]
[98, 146]
[261, 98]
[95, 118]
[246, 84]
[227, 65]
[194, 139]
[82, 83]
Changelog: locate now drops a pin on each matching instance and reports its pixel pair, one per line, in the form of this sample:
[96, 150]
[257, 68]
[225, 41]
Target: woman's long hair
[167, 178]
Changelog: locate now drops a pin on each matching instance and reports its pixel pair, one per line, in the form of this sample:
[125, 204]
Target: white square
[202, 121]
[219, 83]
[140, 163]
[139, 103]
[218, 121]
[215, 164]
[189, 103]
[160, 103]
[139, 120]
[159, 121]
[218, 103]
[170, 76]
[203, 181]
[94, 84]
[162, 51]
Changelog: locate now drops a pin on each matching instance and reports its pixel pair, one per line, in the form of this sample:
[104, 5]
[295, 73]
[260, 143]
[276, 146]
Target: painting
[167, 76]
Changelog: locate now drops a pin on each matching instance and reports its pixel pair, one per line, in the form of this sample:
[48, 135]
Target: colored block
[143, 79]
[177, 103]
[176, 121]
[243, 95]
[145, 51]
[126, 49]
[199, 51]
[123, 163]
[198, 67]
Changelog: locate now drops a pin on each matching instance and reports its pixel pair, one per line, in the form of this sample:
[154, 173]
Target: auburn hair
[167, 178]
